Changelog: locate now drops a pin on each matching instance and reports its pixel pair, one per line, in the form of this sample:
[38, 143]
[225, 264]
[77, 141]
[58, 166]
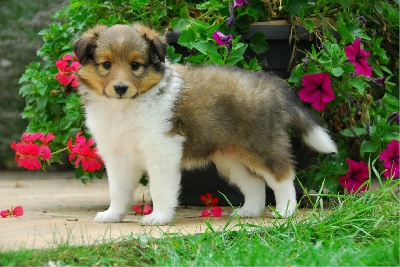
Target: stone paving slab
[59, 208]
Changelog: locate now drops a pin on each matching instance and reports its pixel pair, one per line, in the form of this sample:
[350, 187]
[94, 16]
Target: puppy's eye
[135, 66]
[107, 65]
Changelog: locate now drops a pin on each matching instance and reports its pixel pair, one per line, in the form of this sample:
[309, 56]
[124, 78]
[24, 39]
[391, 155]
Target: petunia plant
[339, 79]
[348, 76]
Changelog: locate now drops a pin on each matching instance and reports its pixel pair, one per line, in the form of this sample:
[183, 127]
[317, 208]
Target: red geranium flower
[316, 89]
[213, 211]
[357, 175]
[82, 152]
[67, 68]
[208, 200]
[145, 211]
[390, 157]
[211, 204]
[33, 149]
[16, 212]
[222, 39]
[359, 58]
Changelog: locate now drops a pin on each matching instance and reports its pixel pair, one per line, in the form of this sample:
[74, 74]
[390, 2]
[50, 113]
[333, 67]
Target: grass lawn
[356, 231]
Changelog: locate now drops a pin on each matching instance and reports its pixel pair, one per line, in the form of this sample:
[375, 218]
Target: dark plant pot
[277, 58]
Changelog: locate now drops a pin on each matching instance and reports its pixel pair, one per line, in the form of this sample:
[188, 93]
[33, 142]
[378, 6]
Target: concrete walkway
[59, 209]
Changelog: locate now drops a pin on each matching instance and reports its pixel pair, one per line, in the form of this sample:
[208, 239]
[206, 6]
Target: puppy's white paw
[157, 218]
[244, 212]
[284, 212]
[108, 217]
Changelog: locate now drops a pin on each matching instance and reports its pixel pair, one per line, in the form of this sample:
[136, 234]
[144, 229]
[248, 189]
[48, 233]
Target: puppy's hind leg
[122, 179]
[284, 190]
[252, 187]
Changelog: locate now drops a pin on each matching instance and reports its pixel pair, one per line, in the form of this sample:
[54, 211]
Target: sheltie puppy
[150, 116]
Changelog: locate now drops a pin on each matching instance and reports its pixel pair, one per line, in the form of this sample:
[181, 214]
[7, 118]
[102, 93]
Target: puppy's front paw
[108, 217]
[157, 218]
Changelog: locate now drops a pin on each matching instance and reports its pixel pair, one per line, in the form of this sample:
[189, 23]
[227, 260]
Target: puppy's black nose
[120, 88]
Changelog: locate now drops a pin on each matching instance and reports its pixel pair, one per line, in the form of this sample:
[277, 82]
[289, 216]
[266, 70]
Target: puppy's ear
[157, 44]
[85, 45]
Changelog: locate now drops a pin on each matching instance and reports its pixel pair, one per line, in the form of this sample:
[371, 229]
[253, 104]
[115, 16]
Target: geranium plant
[347, 77]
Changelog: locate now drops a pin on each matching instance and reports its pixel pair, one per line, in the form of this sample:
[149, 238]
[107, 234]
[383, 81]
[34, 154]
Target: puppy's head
[120, 61]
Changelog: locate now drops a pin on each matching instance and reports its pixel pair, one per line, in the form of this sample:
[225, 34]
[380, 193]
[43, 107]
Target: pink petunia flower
[67, 68]
[359, 58]
[222, 39]
[316, 89]
[390, 157]
[238, 3]
[357, 175]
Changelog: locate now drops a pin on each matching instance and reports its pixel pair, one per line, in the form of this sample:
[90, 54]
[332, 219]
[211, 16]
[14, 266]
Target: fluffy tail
[312, 133]
[319, 139]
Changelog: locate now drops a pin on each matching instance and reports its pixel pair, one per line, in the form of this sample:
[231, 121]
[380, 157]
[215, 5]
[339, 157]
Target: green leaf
[295, 7]
[360, 131]
[41, 105]
[173, 57]
[296, 75]
[196, 58]
[238, 50]
[358, 83]
[309, 24]
[343, 31]
[204, 47]
[368, 147]
[391, 136]
[258, 43]
[187, 38]
[232, 60]
[337, 71]
[215, 57]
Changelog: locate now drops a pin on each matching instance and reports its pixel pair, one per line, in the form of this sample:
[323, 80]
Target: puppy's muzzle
[120, 89]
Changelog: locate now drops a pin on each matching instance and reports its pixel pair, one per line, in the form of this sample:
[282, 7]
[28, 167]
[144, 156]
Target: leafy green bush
[357, 116]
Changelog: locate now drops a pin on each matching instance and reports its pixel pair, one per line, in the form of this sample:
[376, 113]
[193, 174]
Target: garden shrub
[349, 76]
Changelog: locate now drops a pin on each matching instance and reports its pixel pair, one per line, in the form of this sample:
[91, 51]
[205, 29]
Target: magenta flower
[231, 20]
[359, 58]
[238, 3]
[357, 175]
[394, 118]
[316, 89]
[379, 81]
[222, 39]
[390, 157]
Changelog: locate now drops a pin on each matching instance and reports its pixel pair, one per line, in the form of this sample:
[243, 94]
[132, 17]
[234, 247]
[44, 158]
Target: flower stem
[61, 150]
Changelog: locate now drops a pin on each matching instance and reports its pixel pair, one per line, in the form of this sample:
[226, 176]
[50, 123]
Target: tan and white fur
[149, 116]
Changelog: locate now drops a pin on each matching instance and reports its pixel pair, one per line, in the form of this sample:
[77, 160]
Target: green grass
[357, 231]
